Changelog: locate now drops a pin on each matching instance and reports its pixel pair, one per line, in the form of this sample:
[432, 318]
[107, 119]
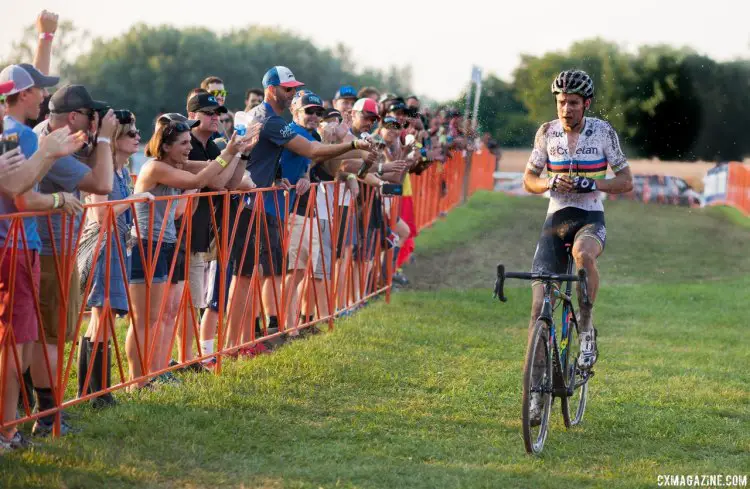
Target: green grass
[425, 392]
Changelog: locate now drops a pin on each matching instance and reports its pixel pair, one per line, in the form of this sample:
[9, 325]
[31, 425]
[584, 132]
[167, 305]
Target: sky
[441, 43]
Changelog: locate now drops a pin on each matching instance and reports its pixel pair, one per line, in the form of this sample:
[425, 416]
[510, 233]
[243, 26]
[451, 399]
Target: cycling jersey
[598, 147]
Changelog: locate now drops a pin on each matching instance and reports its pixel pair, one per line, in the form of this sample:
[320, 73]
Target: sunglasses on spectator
[209, 113]
[392, 125]
[175, 127]
[133, 133]
[226, 120]
[124, 116]
[219, 93]
[90, 115]
[315, 111]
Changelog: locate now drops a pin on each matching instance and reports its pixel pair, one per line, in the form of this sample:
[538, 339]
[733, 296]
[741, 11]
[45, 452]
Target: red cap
[6, 87]
[367, 105]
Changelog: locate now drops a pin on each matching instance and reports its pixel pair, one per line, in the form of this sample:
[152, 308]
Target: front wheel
[574, 406]
[537, 389]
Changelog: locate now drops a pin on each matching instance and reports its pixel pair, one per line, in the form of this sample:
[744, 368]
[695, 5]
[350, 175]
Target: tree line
[665, 102]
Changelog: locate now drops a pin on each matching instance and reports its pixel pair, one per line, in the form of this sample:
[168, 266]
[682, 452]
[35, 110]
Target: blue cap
[347, 91]
[280, 76]
[305, 98]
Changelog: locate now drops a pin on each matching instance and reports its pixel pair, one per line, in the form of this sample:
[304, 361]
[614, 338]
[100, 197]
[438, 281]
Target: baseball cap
[175, 117]
[280, 76]
[388, 96]
[395, 105]
[203, 101]
[25, 76]
[306, 99]
[346, 91]
[6, 87]
[333, 113]
[71, 98]
[366, 105]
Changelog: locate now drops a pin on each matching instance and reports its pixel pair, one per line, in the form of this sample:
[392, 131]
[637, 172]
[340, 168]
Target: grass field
[425, 392]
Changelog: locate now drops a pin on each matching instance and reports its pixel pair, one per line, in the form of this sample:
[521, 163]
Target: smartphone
[8, 142]
[393, 189]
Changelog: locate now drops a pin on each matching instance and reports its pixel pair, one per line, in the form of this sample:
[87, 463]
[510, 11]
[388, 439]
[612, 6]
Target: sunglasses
[314, 111]
[219, 93]
[175, 128]
[133, 134]
[90, 115]
[392, 125]
[124, 116]
[209, 113]
[226, 120]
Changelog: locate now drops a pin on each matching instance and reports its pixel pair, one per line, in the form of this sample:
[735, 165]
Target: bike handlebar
[543, 277]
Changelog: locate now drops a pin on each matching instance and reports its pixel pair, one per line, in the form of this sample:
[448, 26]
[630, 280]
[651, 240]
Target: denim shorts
[163, 263]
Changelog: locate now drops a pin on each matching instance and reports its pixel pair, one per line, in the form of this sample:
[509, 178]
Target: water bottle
[241, 120]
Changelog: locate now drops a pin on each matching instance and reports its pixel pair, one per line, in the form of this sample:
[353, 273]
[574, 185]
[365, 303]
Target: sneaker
[167, 378]
[15, 442]
[400, 279]
[535, 409]
[588, 351]
[43, 428]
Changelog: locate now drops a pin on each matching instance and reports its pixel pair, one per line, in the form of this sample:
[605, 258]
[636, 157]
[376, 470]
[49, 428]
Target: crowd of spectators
[335, 169]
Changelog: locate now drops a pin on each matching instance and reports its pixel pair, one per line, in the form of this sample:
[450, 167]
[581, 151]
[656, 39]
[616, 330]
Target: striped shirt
[597, 149]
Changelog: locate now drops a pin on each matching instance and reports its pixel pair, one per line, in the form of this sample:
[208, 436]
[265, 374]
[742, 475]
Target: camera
[8, 142]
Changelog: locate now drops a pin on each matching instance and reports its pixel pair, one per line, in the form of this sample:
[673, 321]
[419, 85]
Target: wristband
[380, 169]
[55, 201]
[46, 36]
[102, 139]
[222, 161]
[354, 144]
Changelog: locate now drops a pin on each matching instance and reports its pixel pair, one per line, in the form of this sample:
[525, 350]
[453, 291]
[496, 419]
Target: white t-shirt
[598, 148]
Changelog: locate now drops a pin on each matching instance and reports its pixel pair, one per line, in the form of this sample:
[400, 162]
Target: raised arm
[46, 26]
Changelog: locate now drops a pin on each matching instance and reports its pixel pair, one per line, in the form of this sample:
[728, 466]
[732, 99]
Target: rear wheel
[573, 406]
[537, 388]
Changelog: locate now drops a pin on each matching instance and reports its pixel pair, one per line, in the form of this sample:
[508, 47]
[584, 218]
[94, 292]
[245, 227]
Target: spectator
[332, 115]
[253, 98]
[344, 100]
[369, 92]
[23, 322]
[205, 109]
[307, 111]
[412, 102]
[227, 124]
[91, 171]
[118, 232]
[263, 163]
[215, 86]
[168, 174]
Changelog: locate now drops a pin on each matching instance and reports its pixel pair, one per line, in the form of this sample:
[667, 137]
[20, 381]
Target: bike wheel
[573, 406]
[537, 381]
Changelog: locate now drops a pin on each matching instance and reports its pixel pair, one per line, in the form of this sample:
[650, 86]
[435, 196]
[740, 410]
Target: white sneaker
[535, 409]
[588, 352]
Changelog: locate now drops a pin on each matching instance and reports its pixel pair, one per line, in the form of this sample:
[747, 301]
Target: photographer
[70, 106]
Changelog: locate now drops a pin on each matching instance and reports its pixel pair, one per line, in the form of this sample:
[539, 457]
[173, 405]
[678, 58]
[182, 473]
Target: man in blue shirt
[307, 111]
[280, 87]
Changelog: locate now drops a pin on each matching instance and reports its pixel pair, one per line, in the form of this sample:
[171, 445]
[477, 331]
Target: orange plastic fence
[162, 319]
[738, 187]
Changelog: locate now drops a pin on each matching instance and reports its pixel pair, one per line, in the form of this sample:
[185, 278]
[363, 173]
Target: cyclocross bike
[551, 369]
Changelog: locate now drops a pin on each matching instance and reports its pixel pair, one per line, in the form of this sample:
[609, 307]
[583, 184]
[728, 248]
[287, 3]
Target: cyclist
[576, 151]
